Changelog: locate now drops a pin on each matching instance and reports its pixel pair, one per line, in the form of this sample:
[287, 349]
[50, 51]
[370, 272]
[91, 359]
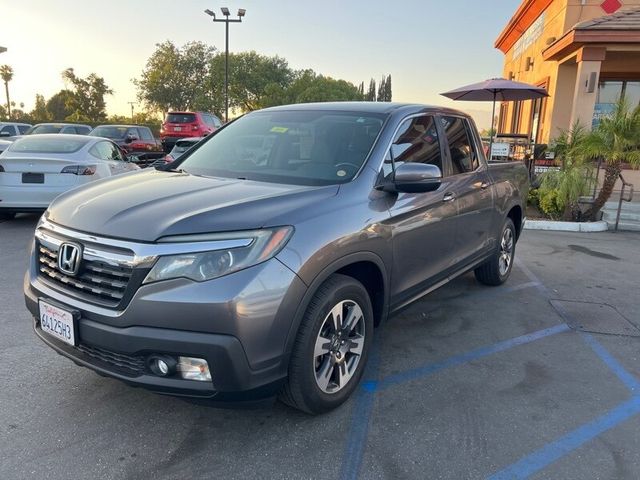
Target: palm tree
[616, 140]
[6, 72]
[574, 178]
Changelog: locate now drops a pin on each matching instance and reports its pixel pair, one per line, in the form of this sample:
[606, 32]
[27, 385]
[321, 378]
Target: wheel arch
[366, 267]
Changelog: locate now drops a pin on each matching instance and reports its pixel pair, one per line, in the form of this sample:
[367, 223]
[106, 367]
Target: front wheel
[331, 348]
[497, 269]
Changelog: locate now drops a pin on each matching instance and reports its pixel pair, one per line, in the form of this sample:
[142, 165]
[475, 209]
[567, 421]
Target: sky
[427, 46]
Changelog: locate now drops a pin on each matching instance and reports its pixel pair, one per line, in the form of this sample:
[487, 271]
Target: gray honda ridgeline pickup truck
[260, 262]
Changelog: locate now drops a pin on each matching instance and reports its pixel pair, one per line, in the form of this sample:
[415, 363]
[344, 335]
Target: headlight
[201, 266]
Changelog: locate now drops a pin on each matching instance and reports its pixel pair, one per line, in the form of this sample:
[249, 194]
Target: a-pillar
[589, 61]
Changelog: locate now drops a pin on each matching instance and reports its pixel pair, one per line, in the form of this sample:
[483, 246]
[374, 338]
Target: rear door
[423, 224]
[472, 186]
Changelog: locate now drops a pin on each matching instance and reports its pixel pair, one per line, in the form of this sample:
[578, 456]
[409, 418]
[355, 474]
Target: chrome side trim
[143, 254]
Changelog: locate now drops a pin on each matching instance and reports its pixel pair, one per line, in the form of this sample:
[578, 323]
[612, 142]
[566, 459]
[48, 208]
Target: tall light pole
[226, 20]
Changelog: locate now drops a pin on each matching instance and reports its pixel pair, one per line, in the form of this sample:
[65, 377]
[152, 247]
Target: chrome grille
[97, 280]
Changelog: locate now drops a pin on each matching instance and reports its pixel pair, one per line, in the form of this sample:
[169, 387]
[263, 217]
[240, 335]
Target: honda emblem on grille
[69, 256]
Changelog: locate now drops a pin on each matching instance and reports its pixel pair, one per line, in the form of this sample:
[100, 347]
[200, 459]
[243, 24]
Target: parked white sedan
[36, 169]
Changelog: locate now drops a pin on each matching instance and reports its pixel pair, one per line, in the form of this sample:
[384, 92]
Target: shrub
[533, 198]
[551, 203]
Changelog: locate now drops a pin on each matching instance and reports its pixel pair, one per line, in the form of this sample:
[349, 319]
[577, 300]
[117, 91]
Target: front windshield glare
[303, 148]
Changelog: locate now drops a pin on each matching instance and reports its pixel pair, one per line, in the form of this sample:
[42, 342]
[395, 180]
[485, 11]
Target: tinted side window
[8, 129]
[23, 128]
[463, 155]
[133, 132]
[145, 133]
[83, 130]
[416, 142]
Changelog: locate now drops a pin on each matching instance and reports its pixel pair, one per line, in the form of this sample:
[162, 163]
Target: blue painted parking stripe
[365, 398]
[551, 452]
[628, 379]
[463, 358]
[361, 416]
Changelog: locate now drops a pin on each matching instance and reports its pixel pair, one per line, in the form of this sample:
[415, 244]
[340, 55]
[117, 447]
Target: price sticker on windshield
[279, 129]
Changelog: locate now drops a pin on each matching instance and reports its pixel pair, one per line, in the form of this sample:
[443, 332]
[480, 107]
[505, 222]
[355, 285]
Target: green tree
[251, 77]
[56, 106]
[371, 93]
[87, 102]
[40, 112]
[178, 78]
[388, 95]
[6, 73]
[616, 140]
[381, 90]
[308, 86]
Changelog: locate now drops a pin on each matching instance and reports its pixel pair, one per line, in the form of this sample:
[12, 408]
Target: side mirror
[414, 178]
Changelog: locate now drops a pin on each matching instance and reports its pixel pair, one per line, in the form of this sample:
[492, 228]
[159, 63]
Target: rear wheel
[497, 269]
[331, 348]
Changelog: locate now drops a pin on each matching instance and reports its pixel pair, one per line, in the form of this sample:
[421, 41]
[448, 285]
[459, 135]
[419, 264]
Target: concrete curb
[566, 226]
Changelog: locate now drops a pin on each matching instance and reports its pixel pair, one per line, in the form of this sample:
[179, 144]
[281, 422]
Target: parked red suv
[179, 125]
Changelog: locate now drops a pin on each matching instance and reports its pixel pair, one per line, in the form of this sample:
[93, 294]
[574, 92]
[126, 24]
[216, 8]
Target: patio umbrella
[496, 89]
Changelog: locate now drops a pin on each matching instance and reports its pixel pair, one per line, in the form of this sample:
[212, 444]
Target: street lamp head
[241, 12]
[210, 13]
[225, 11]
[3, 49]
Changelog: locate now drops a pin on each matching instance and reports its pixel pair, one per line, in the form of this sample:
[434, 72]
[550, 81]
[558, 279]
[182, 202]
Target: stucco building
[585, 52]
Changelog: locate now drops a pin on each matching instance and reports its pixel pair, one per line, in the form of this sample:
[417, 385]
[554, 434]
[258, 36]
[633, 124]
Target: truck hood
[145, 206]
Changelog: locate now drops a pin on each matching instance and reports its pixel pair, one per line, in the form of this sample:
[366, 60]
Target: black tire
[7, 215]
[303, 390]
[490, 272]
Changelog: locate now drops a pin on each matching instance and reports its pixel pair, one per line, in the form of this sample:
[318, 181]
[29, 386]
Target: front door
[422, 224]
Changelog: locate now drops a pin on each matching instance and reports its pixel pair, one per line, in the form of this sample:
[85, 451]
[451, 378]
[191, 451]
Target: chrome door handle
[449, 196]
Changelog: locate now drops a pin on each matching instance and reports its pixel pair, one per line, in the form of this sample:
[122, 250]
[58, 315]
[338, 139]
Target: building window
[502, 119]
[515, 117]
[537, 118]
[610, 91]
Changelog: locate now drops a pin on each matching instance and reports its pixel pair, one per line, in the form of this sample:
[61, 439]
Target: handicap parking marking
[366, 397]
[463, 358]
[551, 452]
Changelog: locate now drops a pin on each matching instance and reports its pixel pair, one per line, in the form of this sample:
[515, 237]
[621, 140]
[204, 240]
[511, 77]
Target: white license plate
[57, 322]
[177, 129]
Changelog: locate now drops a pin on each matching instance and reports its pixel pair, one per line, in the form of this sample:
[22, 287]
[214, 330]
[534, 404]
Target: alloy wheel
[339, 346]
[506, 251]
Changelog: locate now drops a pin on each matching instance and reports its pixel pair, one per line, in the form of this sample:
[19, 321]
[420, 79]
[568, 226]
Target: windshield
[44, 129]
[47, 145]
[114, 133]
[295, 147]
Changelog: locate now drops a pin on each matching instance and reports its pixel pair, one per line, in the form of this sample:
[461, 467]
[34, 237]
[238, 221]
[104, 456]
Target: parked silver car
[37, 168]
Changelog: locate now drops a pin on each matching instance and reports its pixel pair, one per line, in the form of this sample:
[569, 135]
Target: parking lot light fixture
[226, 20]
[3, 49]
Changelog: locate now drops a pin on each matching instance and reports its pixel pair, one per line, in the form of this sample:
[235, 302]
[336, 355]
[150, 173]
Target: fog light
[162, 365]
[194, 369]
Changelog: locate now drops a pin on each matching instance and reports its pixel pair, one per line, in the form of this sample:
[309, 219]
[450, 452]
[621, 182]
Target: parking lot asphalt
[471, 382]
